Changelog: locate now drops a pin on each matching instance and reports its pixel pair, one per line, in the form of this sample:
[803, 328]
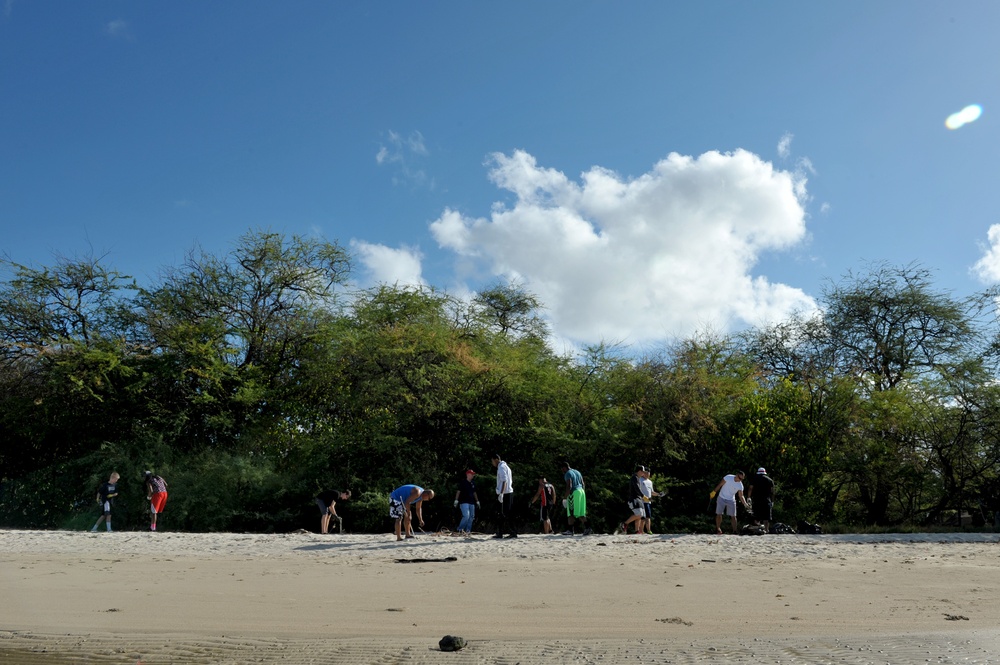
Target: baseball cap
[470, 471]
[641, 468]
[761, 470]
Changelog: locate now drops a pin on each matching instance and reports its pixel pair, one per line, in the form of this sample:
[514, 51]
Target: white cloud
[785, 145]
[118, 28]
[385, 265]
[987, 269]
[668, 253]
[403, 153]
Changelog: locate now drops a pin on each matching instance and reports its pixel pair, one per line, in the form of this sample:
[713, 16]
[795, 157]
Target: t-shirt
[763, 487]
[647, 489]
[107, 491]
[575, 479]
[730, 488]
[328, 496]
[157, 484]
[466, 491]
[401, 494]
[635, 488]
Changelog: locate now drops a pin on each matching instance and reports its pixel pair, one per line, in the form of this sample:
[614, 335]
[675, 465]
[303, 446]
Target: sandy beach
[135, 597]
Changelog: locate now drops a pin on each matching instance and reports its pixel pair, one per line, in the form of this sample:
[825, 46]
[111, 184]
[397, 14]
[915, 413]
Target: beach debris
[451, 643]
[441, 560]
[677, 620]
[955, 617]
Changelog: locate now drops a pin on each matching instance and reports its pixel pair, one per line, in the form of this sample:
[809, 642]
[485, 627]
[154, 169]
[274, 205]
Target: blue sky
[649, 169]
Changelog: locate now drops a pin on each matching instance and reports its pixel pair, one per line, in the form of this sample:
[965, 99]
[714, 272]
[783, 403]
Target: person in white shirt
[646, 485]
[728, 490]
[505, 497]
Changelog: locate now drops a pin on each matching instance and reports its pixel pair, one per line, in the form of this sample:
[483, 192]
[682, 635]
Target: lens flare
[969, 114]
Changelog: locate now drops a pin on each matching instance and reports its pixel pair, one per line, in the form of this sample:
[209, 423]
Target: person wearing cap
[400, 501]
[635, 502]
[761, 493]
[327, 502]
[725, 494]
[467, 500]
[156, 492]
[575, 501]
[505, 496]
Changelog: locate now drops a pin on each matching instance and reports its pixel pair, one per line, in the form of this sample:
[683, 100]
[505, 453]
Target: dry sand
[131, 597]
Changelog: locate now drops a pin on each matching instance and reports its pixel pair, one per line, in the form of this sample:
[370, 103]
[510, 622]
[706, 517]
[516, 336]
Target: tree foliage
[253, 379]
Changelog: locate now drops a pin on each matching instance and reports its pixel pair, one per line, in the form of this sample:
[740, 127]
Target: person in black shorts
[106, 494]
[327, 502]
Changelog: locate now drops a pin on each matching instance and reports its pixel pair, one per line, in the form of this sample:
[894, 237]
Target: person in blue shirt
[400, 501]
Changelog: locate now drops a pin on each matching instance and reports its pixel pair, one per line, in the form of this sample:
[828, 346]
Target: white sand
[132, 597]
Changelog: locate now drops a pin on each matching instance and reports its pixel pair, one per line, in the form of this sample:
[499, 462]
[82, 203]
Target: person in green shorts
[576, 500]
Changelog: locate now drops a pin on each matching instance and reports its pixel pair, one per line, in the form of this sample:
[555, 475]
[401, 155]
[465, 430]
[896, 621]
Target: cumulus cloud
[386, 265]
[669, 253]
[987, 269]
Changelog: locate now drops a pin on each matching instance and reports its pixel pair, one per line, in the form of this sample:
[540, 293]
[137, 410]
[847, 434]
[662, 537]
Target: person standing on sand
[728, 490]
[505, 497]
[327, 502]
[576, 500]
[156, 493]
[635, 503]
[467, 501]
[400, 501]
[546, 493]
[761, 496]
[647, 501]
[105, 498]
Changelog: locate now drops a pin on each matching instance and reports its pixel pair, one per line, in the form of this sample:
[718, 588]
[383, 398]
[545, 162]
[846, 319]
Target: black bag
[806, 527]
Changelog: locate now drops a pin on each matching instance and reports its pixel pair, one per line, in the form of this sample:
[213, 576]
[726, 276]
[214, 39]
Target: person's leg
[736, 527]
[508, 515]
[399, 520]
[465, 525]
[718, 523]
[97, 523]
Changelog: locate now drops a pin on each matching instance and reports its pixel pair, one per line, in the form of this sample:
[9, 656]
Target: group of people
[759, 500]
[640, 502]
[156, 494]
[407, 499]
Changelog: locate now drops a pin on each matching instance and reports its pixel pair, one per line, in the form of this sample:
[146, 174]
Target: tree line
[254, 378]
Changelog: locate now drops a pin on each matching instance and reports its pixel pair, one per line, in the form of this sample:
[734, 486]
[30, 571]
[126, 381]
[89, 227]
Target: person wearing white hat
[761, 495]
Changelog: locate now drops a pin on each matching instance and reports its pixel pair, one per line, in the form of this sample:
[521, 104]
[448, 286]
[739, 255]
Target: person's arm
[739, 495]
[458, 493]
[538, 494]
[420, 512]
[750, 491]
[718, 487]
[332, 508]
[149, 490]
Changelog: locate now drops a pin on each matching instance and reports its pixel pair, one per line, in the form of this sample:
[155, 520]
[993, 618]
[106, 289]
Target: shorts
[648, 508]
[158, 502]
[323, 508]
[725, 507]
[576, 505]
[396, 509]
[543, 513]
[763, 509]
[637, 507]
[106, 508]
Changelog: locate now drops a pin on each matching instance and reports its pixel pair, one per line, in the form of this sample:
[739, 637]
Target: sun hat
[761, 470]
